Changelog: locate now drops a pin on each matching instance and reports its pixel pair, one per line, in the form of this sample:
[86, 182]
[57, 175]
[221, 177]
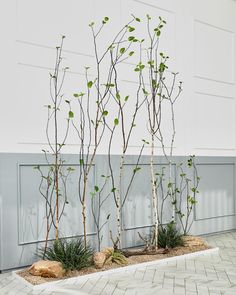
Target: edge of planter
[121, 269]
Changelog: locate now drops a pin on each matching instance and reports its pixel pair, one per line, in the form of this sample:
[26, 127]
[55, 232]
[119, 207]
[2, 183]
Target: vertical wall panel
[31, 210]
[217, 191]
[214, 53]
[212, 130]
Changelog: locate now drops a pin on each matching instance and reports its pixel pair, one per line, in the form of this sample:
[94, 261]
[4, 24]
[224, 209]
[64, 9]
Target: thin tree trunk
[84, 211]
[154, 194]
[47, 234]
[57, 196]
[118, 202]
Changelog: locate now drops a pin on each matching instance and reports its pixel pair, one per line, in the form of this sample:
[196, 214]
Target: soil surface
[191, 244]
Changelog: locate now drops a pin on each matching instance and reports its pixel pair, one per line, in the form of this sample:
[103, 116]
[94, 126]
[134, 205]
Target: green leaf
[96, 188]
[116, 121]
[113, 190]
[131, 38]
[67, 101]
[71, 114]
[109, 85]
[78, 94]
[105, 20]
[122, 50]
[169, 185]
[105, 113]
[145, 92]
[154, 83]
[126, 98]
[92, 194]
[146, 142]
[137, 19]
[131, 29]
[136, 169]
[117, 96]
[81, 161]
[90, 84]
[162, 67]
[131, 53]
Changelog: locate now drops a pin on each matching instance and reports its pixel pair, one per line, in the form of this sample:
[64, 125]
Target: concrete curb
[82, 279]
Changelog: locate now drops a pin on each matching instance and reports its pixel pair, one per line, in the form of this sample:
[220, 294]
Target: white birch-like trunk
[154, 194]
[118, 203]
[171, 190]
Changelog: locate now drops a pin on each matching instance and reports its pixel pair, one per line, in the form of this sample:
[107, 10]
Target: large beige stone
[99, 259]
[191, 241]
[47, 269]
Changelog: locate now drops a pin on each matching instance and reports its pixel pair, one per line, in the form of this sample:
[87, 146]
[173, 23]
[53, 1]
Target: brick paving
[210, 274]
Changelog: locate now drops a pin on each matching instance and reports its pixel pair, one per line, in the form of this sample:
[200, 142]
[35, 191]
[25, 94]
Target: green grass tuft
[71, 253]
[169, 236]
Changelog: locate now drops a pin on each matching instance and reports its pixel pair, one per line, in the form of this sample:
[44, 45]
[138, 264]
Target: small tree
[90, 127]
[186, 194]
[53, 181]
[124, 123]
[156, 93]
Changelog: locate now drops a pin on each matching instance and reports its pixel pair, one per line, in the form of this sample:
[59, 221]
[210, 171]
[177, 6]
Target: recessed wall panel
[137, 211]
[213, 122]
[214, 53]
[32, 204]
[216, 191]
[43, 22]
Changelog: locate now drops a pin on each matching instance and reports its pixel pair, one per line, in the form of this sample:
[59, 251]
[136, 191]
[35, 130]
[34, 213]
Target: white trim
[82, 279]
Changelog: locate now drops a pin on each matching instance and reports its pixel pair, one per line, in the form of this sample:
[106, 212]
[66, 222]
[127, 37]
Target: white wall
[199, 38]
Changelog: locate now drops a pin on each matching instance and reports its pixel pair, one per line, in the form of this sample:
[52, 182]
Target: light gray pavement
[204, 274]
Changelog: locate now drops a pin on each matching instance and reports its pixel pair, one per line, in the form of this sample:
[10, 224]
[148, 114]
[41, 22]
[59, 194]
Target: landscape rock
[191, 241]
[99, 259]
[47, 269]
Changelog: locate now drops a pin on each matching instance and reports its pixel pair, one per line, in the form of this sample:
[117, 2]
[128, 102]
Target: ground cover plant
[71, 253]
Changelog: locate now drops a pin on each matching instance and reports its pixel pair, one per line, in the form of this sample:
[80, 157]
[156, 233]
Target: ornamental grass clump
[72, 254]
[169, 236]
[118, 258]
